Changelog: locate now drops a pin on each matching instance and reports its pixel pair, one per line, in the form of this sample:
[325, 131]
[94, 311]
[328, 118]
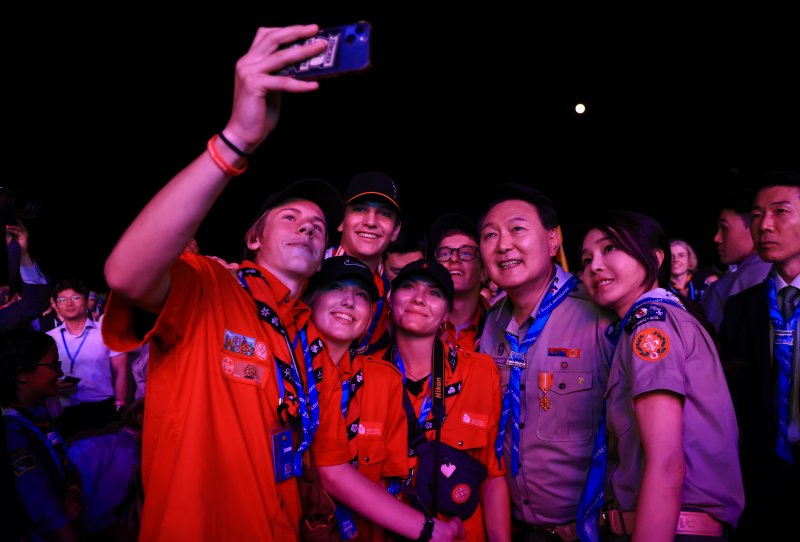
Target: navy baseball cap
[340, 267]
[314, 190]
[448, 225]
[430, 269]
[373, 183]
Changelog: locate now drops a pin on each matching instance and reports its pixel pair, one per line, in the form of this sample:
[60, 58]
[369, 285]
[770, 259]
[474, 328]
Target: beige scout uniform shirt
[666, 348]
[555, 445]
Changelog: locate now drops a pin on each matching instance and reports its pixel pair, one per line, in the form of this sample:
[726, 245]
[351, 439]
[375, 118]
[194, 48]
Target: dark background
[681, 107]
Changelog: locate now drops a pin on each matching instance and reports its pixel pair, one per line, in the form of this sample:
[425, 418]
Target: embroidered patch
[352, 429]
[651, 344]
[22, 461]
[261, 350]
[239, 344]
[370, 429]
[251, 373]
[564, 352]
[472, 418]
[648, 312]
[315, 348]
[227, 365]
[356, 382]
[461, 493]
[452, 359]
[501, 349]
[318, 374]
[453, 389]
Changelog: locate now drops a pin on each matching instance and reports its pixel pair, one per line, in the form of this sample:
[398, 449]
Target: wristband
[427, 529]
[233, 147]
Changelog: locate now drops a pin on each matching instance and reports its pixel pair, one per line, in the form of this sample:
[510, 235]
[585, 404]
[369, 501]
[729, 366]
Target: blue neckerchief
[378, 310]
[593, 494]
[784, 331]
[427, 403]
[309, 400]
[78, 351]
[511, 400]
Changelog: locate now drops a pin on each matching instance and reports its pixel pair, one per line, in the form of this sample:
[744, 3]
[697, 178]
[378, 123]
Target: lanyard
[511, 400]
[309, 402]
[784, 331]
[427, 403]
[78, 351]
[593, 494]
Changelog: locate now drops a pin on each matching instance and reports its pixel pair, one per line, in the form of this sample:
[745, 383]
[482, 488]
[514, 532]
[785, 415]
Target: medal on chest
[545, 381]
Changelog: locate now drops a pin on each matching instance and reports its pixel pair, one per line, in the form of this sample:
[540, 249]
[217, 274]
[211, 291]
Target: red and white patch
[461, 493]
[651, 344]
[371, 429]
[227, 365]
[261, 350]
[473, 418]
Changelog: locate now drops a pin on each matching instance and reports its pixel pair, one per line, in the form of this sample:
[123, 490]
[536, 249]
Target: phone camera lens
[350, 38]
[360, 29]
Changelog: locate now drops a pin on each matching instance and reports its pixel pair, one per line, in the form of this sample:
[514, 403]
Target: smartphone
[71, 380]
[347, 51]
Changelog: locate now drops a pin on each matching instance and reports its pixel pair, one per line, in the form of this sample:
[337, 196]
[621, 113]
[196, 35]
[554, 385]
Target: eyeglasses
[465, 253]
[74, 298]
[55, 365]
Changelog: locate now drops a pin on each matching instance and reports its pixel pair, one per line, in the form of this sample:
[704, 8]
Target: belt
[567, 533]
[696, 523]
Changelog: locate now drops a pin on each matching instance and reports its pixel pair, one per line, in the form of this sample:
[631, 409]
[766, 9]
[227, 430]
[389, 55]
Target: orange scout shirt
[207, 459]
[473, 404]
[376, 426]
[469, 337]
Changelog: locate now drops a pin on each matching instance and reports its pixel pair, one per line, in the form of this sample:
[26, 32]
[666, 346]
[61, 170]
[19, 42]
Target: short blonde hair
[689, 250]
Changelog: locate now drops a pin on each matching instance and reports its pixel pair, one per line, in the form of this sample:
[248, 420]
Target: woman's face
[612, 277]
[680, 259]
[342, 310]
[419, 307]
[43, 380]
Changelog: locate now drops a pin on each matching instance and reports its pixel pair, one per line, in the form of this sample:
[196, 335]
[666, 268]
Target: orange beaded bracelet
[226, 168]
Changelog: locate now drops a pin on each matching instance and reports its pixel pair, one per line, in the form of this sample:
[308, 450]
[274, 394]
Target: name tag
[282, 454]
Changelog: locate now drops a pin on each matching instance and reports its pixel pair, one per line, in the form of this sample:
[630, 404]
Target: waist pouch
[460, 479]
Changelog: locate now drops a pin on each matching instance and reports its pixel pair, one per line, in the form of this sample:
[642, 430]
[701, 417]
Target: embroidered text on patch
[647, 312]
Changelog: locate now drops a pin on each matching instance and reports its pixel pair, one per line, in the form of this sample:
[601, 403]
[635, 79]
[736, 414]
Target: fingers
[268, 40]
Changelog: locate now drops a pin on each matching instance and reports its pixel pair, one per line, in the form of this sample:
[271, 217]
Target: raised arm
[138, 267]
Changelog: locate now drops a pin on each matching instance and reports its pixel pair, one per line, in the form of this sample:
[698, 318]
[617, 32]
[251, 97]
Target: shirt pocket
[242, 369]
[468, 432]
[572, 408]
[371, 456]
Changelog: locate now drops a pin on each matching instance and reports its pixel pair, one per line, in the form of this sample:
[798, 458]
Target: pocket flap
[564, 383]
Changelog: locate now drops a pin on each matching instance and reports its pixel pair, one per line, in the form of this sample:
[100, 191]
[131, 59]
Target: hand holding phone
[347, 51]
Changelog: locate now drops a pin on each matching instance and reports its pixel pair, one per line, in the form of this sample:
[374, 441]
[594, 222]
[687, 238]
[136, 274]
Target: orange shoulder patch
[651, 344]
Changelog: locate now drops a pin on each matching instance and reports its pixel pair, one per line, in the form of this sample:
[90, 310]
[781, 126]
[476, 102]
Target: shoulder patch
[22, 461]
[651, 344]
[647, 312]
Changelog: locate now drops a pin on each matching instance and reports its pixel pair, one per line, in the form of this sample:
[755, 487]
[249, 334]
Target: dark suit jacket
[771, 485]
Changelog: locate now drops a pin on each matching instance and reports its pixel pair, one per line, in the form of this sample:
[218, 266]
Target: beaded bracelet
[226, 168]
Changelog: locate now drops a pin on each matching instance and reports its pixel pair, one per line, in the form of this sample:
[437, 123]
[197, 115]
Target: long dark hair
[639, 236]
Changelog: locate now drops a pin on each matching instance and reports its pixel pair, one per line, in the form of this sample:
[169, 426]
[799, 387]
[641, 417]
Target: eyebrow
[508, 221]
[298, 211]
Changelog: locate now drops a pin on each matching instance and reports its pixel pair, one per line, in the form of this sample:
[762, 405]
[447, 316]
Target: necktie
[784, 324]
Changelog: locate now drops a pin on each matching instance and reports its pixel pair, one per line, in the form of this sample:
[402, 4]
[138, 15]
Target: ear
[340, 229]
[396, 231]
[251, 237]
[659, 256]
[553, 241]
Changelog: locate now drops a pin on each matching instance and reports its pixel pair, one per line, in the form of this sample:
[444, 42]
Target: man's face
[467, 273]
[369, 226]
[71, 304]
[733, 239]
[517, 250]
[292, 239]
[776, 224]
[395, 261]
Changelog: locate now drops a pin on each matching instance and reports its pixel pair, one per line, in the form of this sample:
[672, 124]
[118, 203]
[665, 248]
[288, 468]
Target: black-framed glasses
[74, 298]
[465, 253]
[55, 365]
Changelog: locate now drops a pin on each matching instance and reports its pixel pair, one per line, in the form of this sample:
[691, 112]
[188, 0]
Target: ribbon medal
[545, 381]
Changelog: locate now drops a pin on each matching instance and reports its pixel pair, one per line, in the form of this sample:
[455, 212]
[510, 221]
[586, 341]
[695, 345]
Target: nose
[766, 223]
[307, 228]
[718, 237]
[348, 298]
[503, 242]
[370, 217]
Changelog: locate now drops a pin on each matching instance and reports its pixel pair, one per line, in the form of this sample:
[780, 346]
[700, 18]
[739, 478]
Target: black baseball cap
[373, 183]
[314, 190]
[339, 267]
[430, 269]
[447, 224]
